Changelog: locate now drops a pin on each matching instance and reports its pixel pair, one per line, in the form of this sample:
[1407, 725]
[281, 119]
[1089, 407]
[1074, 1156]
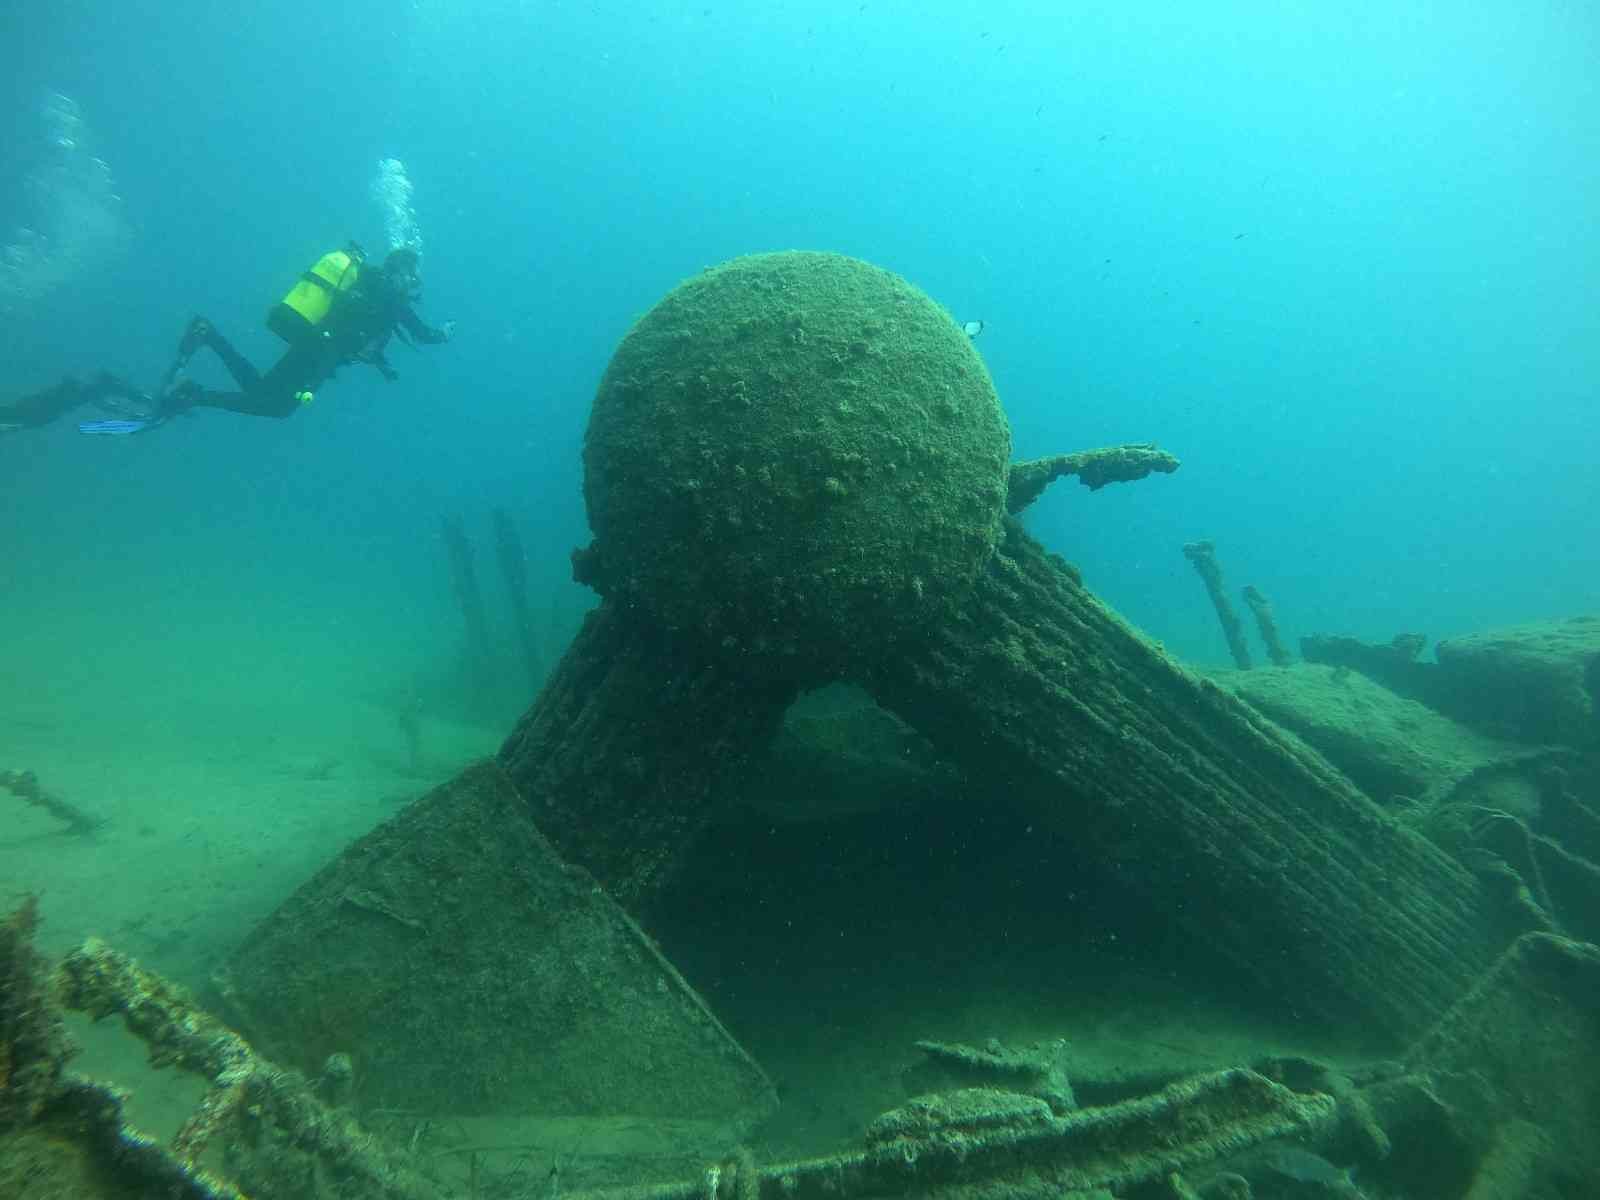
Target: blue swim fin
[118, 428]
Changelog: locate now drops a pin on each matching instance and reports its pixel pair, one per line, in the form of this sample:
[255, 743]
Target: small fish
[1302, 1166]
[972, 328]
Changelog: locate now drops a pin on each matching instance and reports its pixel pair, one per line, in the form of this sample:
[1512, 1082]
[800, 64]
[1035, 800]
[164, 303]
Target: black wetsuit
[42, 407]
[356, 329]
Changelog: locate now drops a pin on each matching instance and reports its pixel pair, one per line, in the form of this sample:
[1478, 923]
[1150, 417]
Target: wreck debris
[33, 1047]
[61, 1136]
[277, 1140]
[514, 570]
[100, 981]
[1503, 1088]
[1356, 1129]
[1268, 626]
[618, 789]
[274, 1132]
[847, 757]
[455, 927]
[1403, 754]
[464, 578]
[1538, 838]
[1203, 555]
[1038, 1070]
[336, 1084]
[1393, 664]
[25, 786]
[979, 1142]
[1094, 469]
[763, 527]
[1289, 871]
[82, 1148]
[734, 575]
[1536, 683]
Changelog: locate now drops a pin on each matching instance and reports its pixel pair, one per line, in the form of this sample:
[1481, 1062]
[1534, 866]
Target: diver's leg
[256, 403]
[202, 332]
[41, 407]
[275, 394]
[240, 367]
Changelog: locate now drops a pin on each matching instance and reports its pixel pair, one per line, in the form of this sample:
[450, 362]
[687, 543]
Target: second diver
[340, 312]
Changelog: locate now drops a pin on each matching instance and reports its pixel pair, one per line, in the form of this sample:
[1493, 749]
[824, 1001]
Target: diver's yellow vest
[299, 315]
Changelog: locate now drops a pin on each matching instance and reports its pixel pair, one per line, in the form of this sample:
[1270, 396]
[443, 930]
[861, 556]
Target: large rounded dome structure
[792, 455]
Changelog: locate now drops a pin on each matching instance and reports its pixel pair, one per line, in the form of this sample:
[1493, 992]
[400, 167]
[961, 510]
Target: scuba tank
[299, 315]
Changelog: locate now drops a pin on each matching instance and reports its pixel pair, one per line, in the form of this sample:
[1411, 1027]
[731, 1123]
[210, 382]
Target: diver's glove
[448, 329]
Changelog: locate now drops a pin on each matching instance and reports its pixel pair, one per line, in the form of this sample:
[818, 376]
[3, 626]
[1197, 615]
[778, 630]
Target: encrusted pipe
[1026, 481]
[1204, 557]
[1268, 626]
[994, 1145]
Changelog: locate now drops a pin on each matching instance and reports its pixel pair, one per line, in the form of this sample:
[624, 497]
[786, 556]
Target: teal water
[1341, 260]
[1340, 263]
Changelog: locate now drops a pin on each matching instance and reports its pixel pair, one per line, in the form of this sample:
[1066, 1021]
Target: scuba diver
[340, 312]
[105, 391]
